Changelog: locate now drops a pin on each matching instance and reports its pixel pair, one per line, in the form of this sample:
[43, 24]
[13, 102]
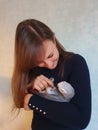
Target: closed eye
[50, 55]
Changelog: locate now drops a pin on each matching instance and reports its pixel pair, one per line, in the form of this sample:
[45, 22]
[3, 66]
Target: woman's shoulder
[75, 60]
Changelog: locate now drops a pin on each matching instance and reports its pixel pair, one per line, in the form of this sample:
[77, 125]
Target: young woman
[38, 57]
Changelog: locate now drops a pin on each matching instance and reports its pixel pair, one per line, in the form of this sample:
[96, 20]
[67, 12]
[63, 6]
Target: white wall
[75, 23]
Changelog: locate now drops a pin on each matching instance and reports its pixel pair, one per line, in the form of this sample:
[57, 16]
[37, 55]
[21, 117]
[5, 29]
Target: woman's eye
[51, 55]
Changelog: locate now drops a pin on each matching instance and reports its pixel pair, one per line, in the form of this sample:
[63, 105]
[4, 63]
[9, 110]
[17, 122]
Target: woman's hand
[26, 100]
[41, 82]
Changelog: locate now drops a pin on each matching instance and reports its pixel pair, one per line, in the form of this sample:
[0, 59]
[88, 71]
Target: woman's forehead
[46, 48]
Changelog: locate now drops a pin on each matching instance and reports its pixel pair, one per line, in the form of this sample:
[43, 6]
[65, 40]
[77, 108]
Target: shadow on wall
[8, 121]
[5, 100]
[5, 87]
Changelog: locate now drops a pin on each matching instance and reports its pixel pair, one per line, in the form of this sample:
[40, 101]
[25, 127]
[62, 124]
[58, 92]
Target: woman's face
[51, 55]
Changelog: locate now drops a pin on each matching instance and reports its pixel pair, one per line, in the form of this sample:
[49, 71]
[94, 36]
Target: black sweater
[75, 115]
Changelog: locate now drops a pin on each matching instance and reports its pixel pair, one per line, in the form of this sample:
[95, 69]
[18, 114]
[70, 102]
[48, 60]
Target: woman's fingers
[48, 81]
[26, 100]
[44, 83]
[37, 88]
[41, 83]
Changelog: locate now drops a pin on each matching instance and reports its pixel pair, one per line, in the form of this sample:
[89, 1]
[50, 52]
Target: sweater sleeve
[75, 114]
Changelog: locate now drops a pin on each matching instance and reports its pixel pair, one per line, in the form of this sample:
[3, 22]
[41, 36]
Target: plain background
[75, 23]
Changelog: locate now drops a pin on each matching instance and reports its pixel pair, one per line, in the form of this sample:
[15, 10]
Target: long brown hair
[28, 45]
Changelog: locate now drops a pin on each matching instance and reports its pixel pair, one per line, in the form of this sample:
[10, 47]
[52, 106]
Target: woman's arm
[26, 100]
[75, 114]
